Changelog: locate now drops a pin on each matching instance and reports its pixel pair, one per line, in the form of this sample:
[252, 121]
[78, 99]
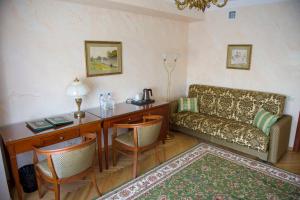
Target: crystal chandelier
[199, 4]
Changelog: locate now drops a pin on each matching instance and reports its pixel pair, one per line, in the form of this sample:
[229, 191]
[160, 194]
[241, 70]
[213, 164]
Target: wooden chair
[139, 138]
[66, 165]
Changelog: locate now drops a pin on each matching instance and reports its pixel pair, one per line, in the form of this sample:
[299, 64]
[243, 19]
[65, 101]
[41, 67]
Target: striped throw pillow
[264, 120]
[188, 104]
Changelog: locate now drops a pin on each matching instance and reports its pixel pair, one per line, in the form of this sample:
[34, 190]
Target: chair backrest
[149, 133]
[75, 159]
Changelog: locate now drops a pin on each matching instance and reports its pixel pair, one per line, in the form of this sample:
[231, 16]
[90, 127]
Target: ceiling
[165, 8]
[158, 8]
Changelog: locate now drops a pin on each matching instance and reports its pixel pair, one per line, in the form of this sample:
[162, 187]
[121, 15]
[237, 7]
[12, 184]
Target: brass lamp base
[79, 114]
[169, 136]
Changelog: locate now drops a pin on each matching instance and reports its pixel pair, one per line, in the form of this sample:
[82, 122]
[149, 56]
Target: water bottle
[102, 101]
[105, 102]
[109, 101]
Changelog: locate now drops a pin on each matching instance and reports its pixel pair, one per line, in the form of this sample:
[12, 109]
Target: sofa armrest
[279, 138]
[173, 107]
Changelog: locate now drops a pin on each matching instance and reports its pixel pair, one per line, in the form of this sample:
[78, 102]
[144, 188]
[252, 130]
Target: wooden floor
[116, 176]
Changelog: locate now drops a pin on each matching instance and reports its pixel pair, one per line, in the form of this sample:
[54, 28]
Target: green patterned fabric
[236, 104]
[209, 172]
[264, 120]
[43, 166]
[188, 104]
[230, 130]
[126, 138]
[213, 177]
[146, 135]
[70, 163]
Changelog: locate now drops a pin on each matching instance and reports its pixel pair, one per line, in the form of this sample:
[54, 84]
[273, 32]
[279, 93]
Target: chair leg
[57, 191]
[135, 164]
[39, 184]
[94, 181]
[157, 154]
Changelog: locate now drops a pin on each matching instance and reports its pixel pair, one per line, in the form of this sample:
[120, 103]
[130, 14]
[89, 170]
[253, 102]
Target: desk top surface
[123, 109]
[19, 131]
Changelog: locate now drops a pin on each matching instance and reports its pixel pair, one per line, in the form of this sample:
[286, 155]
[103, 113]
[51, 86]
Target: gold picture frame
[239, 56]
[103, 58]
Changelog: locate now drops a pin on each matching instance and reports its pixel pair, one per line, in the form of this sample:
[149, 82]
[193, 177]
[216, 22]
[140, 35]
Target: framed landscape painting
[103, 58]
[239, 56]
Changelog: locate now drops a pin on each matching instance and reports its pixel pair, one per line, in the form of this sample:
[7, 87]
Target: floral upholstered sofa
[226, 115]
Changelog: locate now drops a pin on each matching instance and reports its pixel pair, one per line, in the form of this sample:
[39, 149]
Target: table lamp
[77, 89]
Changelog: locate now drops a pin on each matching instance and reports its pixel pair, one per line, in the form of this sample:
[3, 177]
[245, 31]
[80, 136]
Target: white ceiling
[241, 3]
[158, 8]
[165, 8]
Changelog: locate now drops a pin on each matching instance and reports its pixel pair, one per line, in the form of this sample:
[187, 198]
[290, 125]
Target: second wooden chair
[140, 137]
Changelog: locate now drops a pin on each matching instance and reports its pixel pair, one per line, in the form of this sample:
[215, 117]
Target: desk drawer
[127, 119]
[163, 110]
[26, 145]
[60, 137]
[90, 128]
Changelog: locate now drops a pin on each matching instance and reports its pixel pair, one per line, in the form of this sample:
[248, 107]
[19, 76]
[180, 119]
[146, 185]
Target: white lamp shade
[77, 89]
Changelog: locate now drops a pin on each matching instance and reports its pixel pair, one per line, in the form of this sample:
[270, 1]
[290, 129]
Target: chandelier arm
[220, 5]
[198, 4]
[182, 4]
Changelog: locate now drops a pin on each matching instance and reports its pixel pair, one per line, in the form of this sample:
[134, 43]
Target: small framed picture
[239, 56]
[103, 58]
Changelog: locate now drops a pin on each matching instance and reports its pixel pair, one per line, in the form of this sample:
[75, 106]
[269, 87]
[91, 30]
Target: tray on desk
[142, 102]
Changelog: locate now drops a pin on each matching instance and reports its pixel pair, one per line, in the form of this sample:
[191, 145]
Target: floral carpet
[208, 172]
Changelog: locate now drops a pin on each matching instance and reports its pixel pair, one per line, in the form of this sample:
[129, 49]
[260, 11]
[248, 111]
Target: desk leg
[99, 142]
[15, 172]
[105, 135]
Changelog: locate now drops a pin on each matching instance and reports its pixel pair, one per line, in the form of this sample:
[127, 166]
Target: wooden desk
[18, 139]
[128, 113]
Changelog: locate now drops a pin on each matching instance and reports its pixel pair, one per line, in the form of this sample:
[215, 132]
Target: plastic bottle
[101, 98]
[105, 102]
[112, 103]
[109, 101]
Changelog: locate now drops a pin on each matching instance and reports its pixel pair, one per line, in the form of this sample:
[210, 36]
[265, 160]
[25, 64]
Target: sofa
[226, 115]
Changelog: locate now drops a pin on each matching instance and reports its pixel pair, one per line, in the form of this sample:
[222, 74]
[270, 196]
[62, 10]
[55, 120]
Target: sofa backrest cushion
[240, 105]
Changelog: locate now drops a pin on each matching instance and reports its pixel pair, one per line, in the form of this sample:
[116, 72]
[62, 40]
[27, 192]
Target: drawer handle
[129, 119]
[61, 137]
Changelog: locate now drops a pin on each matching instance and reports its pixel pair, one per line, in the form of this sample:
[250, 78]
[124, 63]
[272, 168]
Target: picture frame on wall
[103, 58]
[239, 56]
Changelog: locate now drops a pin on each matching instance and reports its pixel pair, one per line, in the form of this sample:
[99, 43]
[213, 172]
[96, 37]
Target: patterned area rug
[208, 172]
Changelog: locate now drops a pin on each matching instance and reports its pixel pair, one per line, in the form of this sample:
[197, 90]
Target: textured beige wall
[42, 51]
[274, 31]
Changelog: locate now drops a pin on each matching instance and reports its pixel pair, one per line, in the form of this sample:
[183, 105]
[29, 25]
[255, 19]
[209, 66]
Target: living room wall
[42, 51]
[273, 30]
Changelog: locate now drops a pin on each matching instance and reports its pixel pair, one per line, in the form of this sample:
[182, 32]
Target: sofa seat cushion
[230, 130]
